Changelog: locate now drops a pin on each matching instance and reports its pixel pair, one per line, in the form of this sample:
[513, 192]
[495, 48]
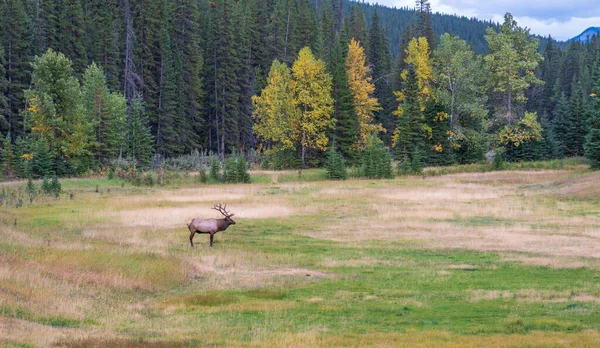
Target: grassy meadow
[457, 259]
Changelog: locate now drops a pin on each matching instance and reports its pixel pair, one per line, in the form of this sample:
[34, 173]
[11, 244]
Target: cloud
[559, 18]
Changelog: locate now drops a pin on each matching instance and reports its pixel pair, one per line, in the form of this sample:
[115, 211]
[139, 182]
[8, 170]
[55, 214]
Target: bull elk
[210, 226]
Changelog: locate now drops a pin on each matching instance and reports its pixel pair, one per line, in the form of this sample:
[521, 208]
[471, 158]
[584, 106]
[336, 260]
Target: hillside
[587, 34]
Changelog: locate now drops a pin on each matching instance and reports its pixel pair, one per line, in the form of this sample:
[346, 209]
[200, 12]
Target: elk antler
[222, 210]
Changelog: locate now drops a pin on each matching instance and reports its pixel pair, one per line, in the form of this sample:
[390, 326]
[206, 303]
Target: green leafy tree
[513, 58]
[461, 76]
[56, 110]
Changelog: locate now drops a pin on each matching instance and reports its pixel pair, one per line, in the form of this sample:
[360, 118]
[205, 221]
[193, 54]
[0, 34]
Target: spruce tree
[139, 139]
[345, 132]
[15, 39]
[560, 125]
[8, 158]
[3, 96]
[577, 122]
[335, 165]
[72, 34]
[106, 112]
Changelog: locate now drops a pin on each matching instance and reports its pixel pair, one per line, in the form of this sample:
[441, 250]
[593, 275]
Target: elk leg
[211, 239]
[192, 237]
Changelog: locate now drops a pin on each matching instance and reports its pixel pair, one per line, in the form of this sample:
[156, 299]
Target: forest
[85, 83]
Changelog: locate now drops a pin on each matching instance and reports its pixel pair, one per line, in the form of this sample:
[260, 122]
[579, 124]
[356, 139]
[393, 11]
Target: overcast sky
[563, 19]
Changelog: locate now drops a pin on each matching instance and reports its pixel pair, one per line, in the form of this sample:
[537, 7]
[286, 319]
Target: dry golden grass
[111, 250]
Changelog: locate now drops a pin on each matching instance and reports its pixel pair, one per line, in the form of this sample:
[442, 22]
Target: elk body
[210, 226]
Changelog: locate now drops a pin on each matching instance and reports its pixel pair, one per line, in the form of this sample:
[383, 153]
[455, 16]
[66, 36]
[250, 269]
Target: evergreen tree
[139, 139]
[3, 96]
[561, 126]
[577, 122]
[592, 139]
[8, 158]
[345, 132]
[408, 133]
[188, 71]
[15, 39]
[358, 25]
[71, 34]
[335, 165]
[107, 113]
[103, 38]
[424, 27]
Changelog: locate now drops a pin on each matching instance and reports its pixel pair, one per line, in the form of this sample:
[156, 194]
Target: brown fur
[210, 226]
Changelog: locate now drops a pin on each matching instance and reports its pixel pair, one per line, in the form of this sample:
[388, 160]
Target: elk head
[226, 214]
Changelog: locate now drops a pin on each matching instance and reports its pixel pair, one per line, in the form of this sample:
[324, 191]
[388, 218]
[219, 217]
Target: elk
[210, 226]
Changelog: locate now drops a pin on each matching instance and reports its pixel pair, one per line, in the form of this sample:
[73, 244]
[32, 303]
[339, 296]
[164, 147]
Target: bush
[335, 165]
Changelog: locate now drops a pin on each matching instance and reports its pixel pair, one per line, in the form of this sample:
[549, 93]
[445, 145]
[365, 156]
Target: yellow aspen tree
[276, 117]
[311, 86]
[362, 87]
[417, 54]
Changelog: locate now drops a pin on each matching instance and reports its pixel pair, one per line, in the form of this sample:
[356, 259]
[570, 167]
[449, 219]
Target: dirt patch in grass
[234, 271]
[531, 295]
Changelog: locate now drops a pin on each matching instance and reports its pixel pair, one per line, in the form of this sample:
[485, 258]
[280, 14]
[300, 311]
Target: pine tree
[335, 165]
[358, 25]
[71, 34]
[14, 37]
[139, 138]
[592, 139]
[3, 96]
[8, 158]
[345, 132]
[103, 38]
[577, 122]
[188, 72]
[408, 133]
[561, 126]
[107, 113]
[424, 27]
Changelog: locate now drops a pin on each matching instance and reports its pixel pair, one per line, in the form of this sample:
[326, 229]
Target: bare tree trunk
[287, 30]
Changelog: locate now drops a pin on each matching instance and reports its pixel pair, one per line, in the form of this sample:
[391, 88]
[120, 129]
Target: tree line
[83, 82]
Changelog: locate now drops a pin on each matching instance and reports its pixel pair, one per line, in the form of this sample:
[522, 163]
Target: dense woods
[84, 82]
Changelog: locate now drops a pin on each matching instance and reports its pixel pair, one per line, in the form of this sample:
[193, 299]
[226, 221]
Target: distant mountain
[587, 34]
